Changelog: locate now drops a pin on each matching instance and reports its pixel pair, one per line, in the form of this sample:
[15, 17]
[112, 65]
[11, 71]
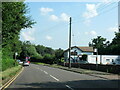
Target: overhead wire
[102, 11]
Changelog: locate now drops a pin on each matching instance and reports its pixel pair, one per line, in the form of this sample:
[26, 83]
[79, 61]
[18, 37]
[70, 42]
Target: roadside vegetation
[40, 53]
[7, 74]
[14, 19]
[106, 47]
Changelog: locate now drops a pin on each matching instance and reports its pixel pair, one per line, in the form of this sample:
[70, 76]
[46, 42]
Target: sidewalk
[104, 75]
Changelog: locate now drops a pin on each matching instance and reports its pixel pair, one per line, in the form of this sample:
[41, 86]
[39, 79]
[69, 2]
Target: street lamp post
[15, 57]
[96, 51]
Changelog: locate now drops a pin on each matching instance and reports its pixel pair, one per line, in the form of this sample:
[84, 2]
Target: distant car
[28, 62]
[20, 62]
[25, 63]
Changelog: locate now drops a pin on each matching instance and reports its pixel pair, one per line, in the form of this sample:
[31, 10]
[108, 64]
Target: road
[38, 76]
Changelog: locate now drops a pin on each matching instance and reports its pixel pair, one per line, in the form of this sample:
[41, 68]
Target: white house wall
[79, 52]
[114, 58]
[104, 59]
[92, 59]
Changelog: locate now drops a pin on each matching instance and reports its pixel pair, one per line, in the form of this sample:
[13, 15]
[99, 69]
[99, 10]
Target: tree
[100, 43]
[29, 50]
[49, 50]
[116, 39]
[105, 47]
[40, 49]
[58, 55]
[114, 47]
[48, 58]
[14, 19]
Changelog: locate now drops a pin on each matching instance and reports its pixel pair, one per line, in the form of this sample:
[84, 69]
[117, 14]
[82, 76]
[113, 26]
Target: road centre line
[39, 69]
[45, 72]
[55, 78]
[69, 87]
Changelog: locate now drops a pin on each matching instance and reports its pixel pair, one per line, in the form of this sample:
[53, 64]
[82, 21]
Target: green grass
[40, 63]
[81, 71]
[9, 73]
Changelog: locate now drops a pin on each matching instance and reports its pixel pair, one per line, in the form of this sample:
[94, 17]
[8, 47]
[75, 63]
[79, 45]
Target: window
[74, 53]
[108, 60]
[118, 59]
[112, 60]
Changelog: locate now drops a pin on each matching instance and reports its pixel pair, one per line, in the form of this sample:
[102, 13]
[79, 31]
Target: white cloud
[93, 33]
[91, 11]
[45, 11]
[64, 17]
[28, 34]
[106, 1]
[48, 37]
[54, 18]
[87, 22]
[113, 29]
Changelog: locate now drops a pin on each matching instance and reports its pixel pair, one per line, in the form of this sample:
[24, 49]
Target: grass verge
[9, 73]
[80, 70]
[51, 65]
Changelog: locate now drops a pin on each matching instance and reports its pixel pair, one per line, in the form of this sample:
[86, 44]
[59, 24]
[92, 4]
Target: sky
[89, 20]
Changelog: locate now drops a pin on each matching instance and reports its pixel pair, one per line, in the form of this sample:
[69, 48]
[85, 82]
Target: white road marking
[45, 72]
[69, 87]
[55, 78]
[41, 69]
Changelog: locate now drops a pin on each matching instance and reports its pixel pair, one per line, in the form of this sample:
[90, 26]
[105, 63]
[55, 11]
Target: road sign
[16, 53]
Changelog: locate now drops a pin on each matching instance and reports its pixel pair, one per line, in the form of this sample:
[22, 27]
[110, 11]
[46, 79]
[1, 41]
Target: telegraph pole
[119, 17]
[70, 44]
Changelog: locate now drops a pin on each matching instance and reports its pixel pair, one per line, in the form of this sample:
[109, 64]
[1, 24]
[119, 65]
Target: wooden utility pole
[70, 44]
[119, 16]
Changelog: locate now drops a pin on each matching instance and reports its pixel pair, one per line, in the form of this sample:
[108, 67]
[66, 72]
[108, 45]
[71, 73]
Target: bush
[49, 59]
[8, 63]
[36, 58]
[84, 57]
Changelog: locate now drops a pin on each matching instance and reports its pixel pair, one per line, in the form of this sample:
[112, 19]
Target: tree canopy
[105, 47]
[14, 19]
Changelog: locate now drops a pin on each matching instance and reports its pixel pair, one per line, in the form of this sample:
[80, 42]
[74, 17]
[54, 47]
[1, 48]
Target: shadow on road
[75, 85]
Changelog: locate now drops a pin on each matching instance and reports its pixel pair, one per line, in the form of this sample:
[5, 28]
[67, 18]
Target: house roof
[84, 49]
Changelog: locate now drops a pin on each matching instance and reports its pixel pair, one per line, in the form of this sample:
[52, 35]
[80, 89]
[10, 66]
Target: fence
[105, 68]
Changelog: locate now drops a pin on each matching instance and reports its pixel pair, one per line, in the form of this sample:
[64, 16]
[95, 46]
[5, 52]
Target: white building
[76, 53]
[103, 59]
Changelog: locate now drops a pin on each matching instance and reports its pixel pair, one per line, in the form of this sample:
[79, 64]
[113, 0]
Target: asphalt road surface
[44, 77]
